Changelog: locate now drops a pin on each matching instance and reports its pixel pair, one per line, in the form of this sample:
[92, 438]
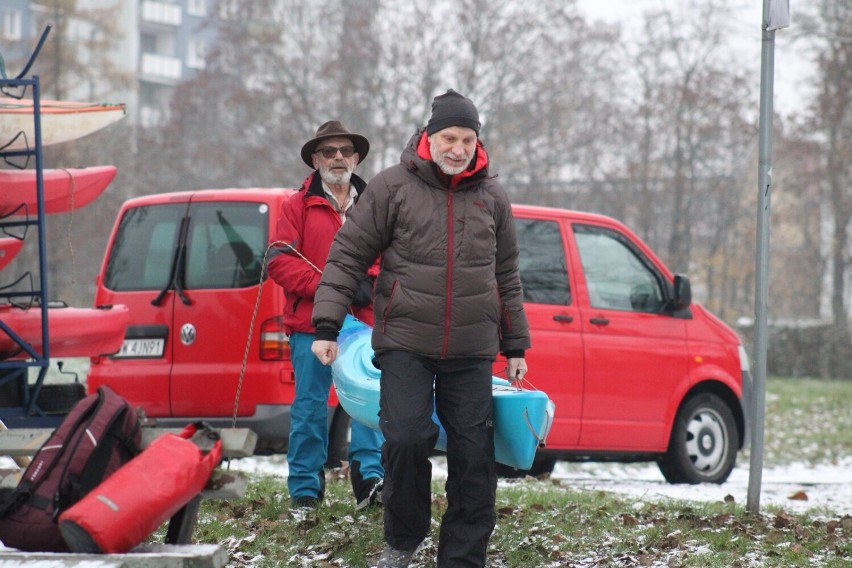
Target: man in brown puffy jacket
[447, 299]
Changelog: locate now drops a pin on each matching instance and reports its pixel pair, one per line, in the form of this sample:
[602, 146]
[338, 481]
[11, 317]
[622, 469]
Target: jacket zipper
[449, 290]
[504, 312]
[386, 313]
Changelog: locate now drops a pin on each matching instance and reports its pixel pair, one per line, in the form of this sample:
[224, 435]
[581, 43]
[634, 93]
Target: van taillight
[274, 342]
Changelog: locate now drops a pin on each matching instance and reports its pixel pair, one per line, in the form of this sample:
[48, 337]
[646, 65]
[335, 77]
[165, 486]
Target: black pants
[462, 397]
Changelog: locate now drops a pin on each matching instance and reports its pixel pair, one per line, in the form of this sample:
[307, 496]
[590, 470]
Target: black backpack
[99, 435]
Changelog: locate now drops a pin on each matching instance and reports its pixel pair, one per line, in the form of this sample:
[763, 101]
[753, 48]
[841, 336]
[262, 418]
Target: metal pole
[764, 186]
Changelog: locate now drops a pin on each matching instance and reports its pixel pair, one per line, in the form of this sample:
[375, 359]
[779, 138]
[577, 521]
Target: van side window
[544, 275]
[618, 276]
[225, 244]
[141, 258]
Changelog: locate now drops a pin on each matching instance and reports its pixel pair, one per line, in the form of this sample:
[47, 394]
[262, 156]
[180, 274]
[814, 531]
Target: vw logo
[187, 334]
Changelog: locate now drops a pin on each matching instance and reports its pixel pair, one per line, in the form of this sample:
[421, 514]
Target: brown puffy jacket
[449, 285]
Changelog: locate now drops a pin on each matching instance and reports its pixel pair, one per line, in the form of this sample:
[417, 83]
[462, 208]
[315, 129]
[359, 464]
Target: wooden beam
[20, 461]
[236, 442]
[226, 484]
[143, 556]
[15, 442]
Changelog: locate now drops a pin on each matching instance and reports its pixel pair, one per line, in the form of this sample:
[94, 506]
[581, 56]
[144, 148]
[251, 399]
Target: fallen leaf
[783, 520]
[720, 520]
[671, 540]
[798, 496]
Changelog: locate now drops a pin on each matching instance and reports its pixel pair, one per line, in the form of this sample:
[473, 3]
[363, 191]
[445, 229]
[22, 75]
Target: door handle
[599, 321]
[563, 317]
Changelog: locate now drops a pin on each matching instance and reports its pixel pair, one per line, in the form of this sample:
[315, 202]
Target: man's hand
[326, 351]
[516, 369]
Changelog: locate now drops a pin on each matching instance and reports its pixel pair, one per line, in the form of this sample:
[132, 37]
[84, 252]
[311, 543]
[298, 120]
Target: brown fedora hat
[334, 129]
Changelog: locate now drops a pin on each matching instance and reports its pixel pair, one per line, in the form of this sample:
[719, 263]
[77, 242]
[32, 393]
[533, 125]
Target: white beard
[333, 178]
[440, 161]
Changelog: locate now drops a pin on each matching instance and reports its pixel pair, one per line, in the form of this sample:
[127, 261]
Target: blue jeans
[308, 449]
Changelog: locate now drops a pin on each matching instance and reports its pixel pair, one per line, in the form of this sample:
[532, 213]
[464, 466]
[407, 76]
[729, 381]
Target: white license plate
[141, 348]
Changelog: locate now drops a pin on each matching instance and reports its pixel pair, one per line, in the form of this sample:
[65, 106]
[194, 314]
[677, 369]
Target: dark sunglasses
[331, 151]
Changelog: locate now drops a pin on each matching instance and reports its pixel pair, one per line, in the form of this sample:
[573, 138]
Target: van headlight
[744, 365]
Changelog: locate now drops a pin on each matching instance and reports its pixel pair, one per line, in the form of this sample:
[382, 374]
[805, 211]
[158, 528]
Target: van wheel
[703, 443]
[542, 465]
[338, 438]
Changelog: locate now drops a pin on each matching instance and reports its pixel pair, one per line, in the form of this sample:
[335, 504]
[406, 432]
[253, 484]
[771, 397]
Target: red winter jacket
[307, 222]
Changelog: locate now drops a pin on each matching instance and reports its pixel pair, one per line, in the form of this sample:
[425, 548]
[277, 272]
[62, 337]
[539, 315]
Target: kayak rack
[14, 374]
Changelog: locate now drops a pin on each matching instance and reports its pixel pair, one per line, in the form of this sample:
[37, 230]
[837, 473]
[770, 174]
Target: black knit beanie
[452, 109]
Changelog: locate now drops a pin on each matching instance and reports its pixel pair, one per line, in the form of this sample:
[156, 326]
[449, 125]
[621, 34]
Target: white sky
[791, 69]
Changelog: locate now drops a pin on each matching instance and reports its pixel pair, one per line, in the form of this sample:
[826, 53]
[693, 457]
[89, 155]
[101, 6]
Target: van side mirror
[682, 292]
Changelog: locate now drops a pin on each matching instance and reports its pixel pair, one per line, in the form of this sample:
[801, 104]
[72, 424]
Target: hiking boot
[373, 495]
[393, 558]
[304, 502]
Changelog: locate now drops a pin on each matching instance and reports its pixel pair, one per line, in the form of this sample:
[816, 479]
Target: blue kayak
[522, 418]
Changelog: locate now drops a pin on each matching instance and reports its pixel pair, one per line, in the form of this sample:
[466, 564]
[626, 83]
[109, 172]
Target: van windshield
[225, 242]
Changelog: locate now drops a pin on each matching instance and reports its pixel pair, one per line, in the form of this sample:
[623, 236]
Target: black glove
[363, 293]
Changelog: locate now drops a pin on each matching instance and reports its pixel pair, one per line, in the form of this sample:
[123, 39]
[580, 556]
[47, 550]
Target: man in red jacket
[306, 228]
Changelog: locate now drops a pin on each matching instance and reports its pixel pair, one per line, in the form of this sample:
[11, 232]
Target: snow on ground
[827, 487]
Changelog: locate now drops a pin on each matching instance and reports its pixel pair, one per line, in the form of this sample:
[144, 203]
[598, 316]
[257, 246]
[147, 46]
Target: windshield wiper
[176, 272]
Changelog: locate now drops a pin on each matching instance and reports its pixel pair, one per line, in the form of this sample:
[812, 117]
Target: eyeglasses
[331, 151]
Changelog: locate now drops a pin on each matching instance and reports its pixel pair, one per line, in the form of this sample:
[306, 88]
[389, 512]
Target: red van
[636, 369]
[188, 266]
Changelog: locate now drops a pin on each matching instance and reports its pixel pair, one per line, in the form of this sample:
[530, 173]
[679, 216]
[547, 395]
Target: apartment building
[161, 43]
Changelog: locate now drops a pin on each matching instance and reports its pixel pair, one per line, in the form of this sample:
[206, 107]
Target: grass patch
[807, 420]
[539, 523]
[547, 523]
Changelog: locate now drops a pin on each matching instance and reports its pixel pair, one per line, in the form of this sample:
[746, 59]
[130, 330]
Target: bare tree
[658, 131]
[830, 116]
[691, 129]
[834, 121]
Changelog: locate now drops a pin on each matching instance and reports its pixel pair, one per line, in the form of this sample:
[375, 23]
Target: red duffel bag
[134, 501]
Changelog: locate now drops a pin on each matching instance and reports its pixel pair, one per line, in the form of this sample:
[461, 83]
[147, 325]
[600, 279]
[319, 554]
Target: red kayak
[61, 121]
[9, 247]
[73, 332]
[64, 189]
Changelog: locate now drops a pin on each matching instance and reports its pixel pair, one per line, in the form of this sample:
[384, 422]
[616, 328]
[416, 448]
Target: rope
[263, 273]
[70, 223]
[520, 385]
[525, 381]
[541, 440]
